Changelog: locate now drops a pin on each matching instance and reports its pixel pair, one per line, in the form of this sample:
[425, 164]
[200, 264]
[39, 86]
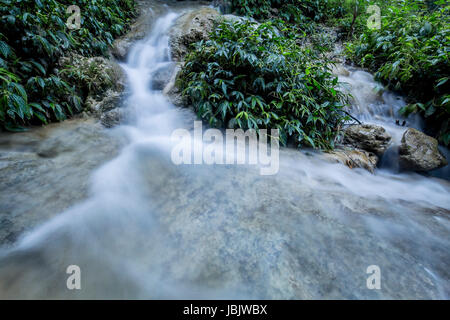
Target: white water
[374, 105]
[154, 230]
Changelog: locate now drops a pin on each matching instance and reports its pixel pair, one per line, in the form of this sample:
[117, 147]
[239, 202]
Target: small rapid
[372, 104]
[151, 229]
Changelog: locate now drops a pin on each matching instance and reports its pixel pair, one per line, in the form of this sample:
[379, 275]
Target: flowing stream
[151, 229]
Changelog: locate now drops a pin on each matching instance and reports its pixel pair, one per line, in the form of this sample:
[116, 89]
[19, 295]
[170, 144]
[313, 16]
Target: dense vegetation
[251, 75]
[271, 75]
[345, 14]
[33, 38]
[411, 54]
[290, 10]
[247, 76]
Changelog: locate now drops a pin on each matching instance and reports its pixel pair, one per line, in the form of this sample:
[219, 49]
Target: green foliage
[33, 38]
[299, 11]
[252, 76]
[92, 76]
[410, 53]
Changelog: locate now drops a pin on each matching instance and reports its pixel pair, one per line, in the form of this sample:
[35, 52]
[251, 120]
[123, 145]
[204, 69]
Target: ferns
[33, 38]
[252, 76]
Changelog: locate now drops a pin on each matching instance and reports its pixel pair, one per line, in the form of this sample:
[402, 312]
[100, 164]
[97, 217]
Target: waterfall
[151, 229]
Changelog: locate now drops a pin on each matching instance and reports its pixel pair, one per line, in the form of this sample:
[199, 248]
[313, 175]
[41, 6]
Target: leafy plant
[410, 53]
[298, 11]
[253, 76]
[33, 38]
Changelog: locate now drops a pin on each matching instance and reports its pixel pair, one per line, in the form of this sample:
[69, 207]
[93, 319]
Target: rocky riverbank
[142, 227]
[46, 170]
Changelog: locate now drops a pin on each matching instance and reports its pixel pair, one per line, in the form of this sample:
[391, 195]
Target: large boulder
[162, 75]
[114, 117]
[171, 90]
[121, 46]
[190, 28]
[46, 170]
[419, 152]
[367, 137]
[110, 101]
[353, 158]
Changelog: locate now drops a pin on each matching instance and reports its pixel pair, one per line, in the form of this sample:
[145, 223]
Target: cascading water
[155, 230]
[372, 104]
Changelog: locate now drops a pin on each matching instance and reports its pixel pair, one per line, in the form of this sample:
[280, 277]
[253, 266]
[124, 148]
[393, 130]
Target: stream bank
[150, 229]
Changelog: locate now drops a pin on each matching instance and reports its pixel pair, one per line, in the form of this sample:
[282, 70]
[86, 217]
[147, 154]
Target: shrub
[293, 10]
[33, 37]
[410, 53]
[252, 76]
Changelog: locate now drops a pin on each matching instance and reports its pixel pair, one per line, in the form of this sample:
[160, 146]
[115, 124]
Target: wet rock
[111, 101]
[53, 147]
[419, 152]
[113, 117]
[109, 109]
[162, 76]
[121, 47]
[47, 169]
[353, 158]
[190, 28]
[171, 90]
[340, 70]
[367, 137]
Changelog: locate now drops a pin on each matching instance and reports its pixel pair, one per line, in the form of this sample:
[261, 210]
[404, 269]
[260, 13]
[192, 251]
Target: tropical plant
[411, 54]
[253, 76]
[33, 38]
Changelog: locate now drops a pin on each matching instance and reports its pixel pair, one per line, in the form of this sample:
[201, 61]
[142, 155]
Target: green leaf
[5, 49]
[442, 81]
[39, 67]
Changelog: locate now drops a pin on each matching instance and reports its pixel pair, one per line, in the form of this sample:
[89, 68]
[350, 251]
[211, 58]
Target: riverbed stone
[47, 169]
[353, 158]
[171, 90]
[162, 76]
[113, 117]
[369, 137]
[419, 152]
[110, 101]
